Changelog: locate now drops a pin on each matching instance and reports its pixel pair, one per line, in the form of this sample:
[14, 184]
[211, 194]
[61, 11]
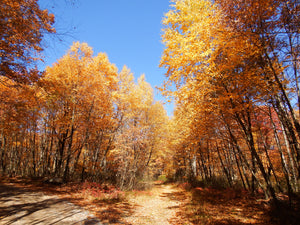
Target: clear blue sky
[129, 31]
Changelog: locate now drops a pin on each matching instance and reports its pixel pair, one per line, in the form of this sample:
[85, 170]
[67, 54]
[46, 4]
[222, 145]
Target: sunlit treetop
[22, 26]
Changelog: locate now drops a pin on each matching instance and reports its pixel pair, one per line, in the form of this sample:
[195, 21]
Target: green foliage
[162, 178]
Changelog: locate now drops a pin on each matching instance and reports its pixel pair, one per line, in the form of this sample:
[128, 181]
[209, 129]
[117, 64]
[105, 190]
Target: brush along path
[155, 207]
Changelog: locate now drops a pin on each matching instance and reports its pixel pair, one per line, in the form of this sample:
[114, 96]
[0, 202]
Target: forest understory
[161, 203]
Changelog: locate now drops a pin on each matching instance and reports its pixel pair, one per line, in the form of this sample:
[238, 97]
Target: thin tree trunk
[234, 140]
[248, 132]
[239, 168]
[283, 162]
[67, 169]
[291, 159]
[224, 168]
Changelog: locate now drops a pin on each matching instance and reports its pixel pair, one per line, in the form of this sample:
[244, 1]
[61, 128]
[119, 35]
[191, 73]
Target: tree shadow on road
[19, 205]
[113, 211]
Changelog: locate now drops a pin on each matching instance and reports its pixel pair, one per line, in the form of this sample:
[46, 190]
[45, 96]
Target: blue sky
[128, 31]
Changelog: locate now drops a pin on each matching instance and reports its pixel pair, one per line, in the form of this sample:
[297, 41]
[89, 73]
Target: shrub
[96, 191]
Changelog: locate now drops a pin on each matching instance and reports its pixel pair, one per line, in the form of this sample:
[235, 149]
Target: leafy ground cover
[165, 204]
[229, 206]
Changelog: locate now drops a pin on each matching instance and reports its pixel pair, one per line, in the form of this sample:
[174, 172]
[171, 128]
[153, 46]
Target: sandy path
[158, 208]
[21, 206]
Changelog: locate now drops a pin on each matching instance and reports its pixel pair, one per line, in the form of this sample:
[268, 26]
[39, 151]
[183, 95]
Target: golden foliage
[22, 26]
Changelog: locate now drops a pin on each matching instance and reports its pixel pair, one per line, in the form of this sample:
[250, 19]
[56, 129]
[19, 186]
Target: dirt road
[21, 206]
[159, 207]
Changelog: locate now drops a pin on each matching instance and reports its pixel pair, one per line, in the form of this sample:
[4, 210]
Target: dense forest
[232, 69]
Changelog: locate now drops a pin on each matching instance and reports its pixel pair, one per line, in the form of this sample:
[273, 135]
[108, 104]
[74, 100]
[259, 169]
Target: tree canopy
[22, 27]
[232, 68]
